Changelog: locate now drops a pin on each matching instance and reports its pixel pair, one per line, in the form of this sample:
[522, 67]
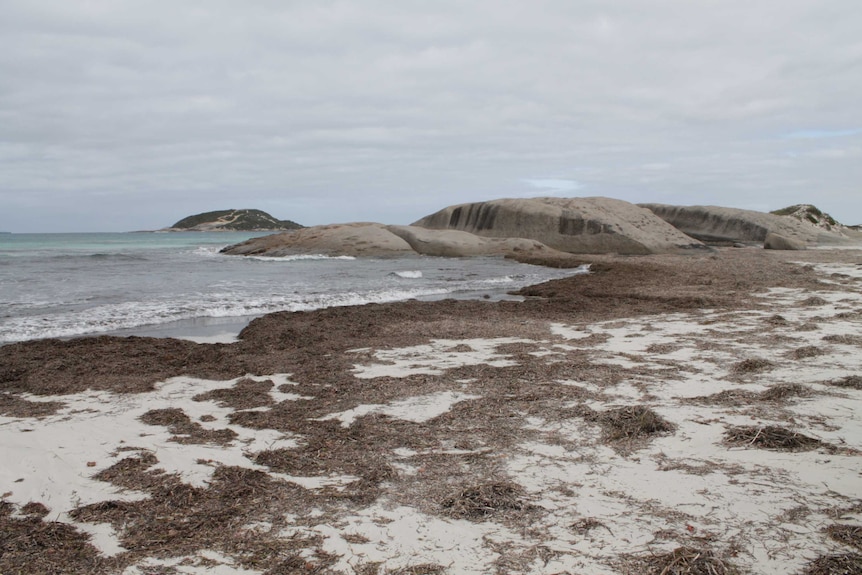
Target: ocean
[178, 284]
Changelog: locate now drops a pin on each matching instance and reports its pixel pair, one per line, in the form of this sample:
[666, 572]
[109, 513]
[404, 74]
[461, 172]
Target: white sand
[771, 506]
[436, 357]
[416, 409]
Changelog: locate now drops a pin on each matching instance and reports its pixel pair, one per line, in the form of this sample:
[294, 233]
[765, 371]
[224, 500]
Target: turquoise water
[27, 245]
[65, 285]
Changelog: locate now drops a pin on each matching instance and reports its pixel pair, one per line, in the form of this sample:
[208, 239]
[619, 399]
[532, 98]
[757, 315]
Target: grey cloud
[306, 106]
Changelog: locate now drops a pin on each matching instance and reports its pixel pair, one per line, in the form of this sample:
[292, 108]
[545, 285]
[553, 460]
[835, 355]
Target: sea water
[66, 285]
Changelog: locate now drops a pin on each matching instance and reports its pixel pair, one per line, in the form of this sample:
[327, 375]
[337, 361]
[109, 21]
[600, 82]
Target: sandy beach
[663, 414]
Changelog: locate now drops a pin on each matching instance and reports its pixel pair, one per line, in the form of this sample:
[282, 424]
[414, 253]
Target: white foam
[299, 257]
[129, 315]
[409, 274]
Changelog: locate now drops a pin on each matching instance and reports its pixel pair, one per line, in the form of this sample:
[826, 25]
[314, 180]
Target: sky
[120, 115]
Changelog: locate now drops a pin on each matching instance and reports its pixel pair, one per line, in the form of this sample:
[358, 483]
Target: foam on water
[113, 317]
[299, 257]
[65, 285]
[409, 274]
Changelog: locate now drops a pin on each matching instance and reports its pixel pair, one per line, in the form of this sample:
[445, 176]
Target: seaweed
[687, 561]
[477, 502]
[771, 437]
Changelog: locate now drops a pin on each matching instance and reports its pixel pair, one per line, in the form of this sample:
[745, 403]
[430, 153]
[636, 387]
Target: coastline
[517, 466]
[227, 329]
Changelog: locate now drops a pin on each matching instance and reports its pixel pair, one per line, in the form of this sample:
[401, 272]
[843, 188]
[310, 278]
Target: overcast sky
[131, 114]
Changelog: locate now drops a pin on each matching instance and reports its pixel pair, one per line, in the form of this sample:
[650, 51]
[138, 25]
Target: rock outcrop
[232, 221]
[775, 241]
[810, 214]
[351, 239]
[378, 240]
[574, 225]
[713, 224]
[455, 243]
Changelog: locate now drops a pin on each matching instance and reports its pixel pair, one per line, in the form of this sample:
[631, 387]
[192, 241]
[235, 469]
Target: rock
[231, 221]
[574, 225]
[775, 241]
[713, 224]
[455, 243]
[811, 214]
[352, 239]
[372, 239]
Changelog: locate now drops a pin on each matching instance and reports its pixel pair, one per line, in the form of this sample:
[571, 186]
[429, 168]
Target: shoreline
[227, 329]
[496, 430]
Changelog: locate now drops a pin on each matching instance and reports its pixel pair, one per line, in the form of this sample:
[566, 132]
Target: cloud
[333, 110]
[821, 134]
[552, 186]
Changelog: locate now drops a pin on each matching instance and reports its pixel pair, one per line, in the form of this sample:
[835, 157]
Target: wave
[495, 281]
[298, 257]
[215, 251]
[408, 274]
[117, 257]
[99, 256]
[186, 286]
[129, 315]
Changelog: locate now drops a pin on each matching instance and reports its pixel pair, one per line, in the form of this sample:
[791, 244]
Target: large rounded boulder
[574, 225]
[351, 239]
[714, 224]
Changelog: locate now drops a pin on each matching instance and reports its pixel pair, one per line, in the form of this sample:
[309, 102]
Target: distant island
[232, 221]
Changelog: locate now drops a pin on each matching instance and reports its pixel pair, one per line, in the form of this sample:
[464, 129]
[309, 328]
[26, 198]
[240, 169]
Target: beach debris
[34, 509]
[184, 429]
[805, 352]
[738, 397]
[531, 439]
[245, 394]
[686, 561]
[30, 545]
[847, 534]
[729, 397]
[850, 382]
[14, 406]
[423, 569]
[843, 339]
[784, 391]
[478, 502]
[585, 525]
[752, 365]
[776, 319]
[813, 301]
[625, 424]
[770, 437]
[840, 564]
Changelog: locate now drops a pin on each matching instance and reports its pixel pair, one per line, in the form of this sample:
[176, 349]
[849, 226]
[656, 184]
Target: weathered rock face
[353, 239]
[371, 239]
[574, 225]
[455, 243]
[775, 241]
[717, 224]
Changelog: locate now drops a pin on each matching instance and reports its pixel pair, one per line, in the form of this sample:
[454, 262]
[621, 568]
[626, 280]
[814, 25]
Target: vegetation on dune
[239, 220]
[807, 212]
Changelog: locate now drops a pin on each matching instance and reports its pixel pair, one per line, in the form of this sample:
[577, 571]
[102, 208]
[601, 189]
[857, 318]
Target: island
[232, 221]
